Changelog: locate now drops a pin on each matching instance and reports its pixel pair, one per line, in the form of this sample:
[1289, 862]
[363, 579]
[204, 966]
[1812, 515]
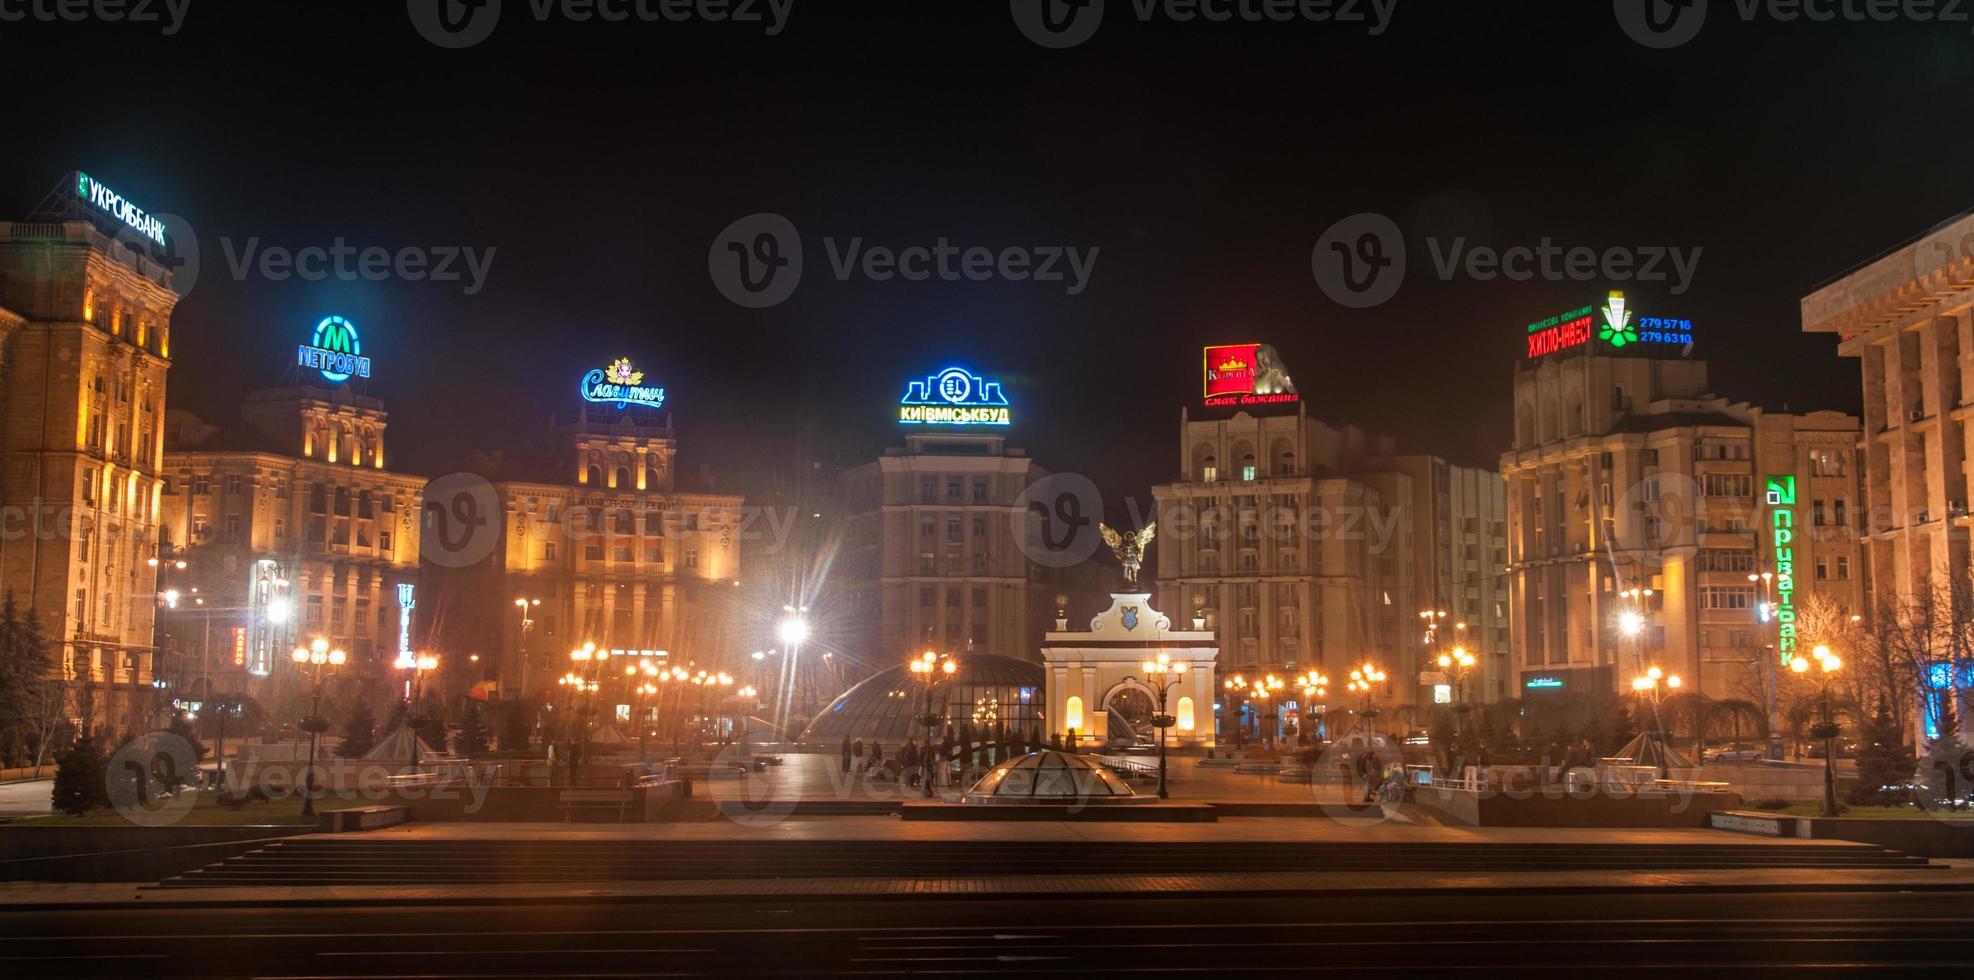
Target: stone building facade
[85, 343]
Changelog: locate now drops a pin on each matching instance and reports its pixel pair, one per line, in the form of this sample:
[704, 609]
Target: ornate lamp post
[1459, 663]
[1827, 664]
[1314, 684]
[1156, 673]
[1363, 682]
[313, 660]
[930, 668]
[417, 667]
[1648, 685]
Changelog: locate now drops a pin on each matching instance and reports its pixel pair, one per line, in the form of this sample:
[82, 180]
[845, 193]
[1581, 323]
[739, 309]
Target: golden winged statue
[1129, 547]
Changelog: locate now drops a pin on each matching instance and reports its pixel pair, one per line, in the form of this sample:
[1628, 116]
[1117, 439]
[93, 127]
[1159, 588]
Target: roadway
[1750, 934]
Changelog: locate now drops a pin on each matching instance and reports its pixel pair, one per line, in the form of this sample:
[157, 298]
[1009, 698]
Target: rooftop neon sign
[335, 350]
[115, 205]
[954, 397]
[1615, 324]
[621, 385]
[1246, 374]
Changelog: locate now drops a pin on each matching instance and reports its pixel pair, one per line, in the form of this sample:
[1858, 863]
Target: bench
[596, 799]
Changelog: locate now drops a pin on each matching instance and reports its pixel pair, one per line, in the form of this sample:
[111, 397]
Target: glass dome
[1051, 777]
[987, 692]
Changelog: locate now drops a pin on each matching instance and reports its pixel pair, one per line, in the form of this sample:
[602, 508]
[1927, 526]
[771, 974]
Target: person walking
[876, 755]
[857, 753]
[846, 753]
[910, 757]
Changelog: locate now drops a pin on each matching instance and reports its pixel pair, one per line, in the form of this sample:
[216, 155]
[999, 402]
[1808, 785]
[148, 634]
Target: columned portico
[1087, 670]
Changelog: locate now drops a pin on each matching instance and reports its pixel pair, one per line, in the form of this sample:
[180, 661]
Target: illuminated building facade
[85, 342]
[1628, 474]
[604, 548]
[291, 528]
[1306, 546]
[1908, 317]
[932, 555]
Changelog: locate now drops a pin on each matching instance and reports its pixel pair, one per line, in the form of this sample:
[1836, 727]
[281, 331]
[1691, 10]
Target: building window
[1727, 597]
[925, 596]
[1843, 568]
[1727, 484]
[979, 597]
[691, 559]
[953, 487]
[1209, 471]
[979, 491]
[201, 485]
[233, 483]
[1247, 468]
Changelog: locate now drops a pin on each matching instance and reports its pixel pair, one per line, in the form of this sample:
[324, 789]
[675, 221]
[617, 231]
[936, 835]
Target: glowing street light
[313, 660]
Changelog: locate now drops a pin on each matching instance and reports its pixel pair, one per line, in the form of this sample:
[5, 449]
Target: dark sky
[601, 160]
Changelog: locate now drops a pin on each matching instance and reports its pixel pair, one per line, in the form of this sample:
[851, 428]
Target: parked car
[1734, 755]
[1845, 750]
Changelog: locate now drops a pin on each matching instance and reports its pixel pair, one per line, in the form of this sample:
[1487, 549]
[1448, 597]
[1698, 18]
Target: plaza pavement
[819, 777]
[27, 798]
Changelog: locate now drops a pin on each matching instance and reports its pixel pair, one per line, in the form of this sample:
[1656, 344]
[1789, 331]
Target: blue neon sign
[954, 396]
[621, 385]
[335, 351]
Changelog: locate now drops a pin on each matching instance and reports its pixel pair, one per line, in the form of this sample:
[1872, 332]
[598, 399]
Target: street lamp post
[1459, 663]
[313, 660]
[1156, 672]
[1648, 685]
[930, 668]
[1314, 684]
[417, 667]
[1827, 664]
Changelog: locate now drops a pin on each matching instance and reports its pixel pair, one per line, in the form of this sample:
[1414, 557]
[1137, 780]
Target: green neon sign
[1782, 537]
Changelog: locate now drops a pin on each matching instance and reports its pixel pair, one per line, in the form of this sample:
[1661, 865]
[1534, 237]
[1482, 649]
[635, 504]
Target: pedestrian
[911, 758]
[857, 753]
[876, 755]
[846, 753]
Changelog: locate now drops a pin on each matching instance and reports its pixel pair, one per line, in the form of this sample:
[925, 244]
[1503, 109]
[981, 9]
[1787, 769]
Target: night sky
[601, 160]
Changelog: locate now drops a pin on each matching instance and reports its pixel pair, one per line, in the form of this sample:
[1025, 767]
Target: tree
[181, 726]
[359, 732]
[514, 725]
[428, 722]
[80, 779]
[1947, 776]
[1883, 759]
[24, 664]
[472, 738]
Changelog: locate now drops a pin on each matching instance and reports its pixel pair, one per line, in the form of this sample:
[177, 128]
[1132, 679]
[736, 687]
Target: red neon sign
[1568, 333]
[239, 646]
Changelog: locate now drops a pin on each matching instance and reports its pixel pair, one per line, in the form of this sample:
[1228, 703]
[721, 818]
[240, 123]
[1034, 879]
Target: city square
[622, 488]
